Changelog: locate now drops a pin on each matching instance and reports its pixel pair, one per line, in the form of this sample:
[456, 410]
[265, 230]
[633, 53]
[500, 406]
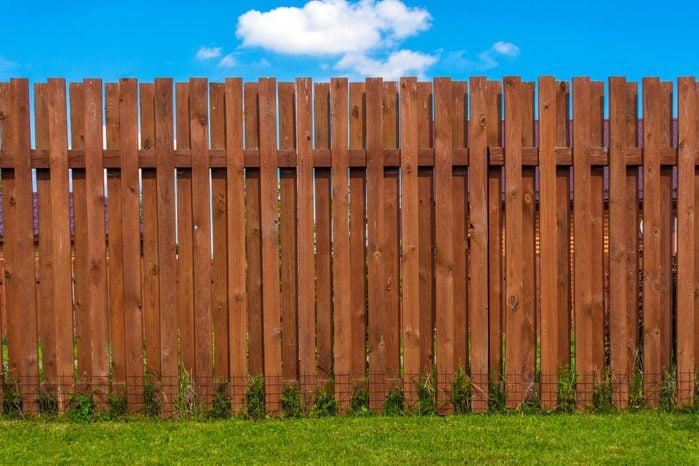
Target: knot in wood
[509, 82]
[2, 116]
[202, 120]
[355, 112]
[512, 301]
[147, 144]
[12, 200]
[483, 121]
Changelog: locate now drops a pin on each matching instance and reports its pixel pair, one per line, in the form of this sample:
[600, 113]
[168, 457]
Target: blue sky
[287, 39]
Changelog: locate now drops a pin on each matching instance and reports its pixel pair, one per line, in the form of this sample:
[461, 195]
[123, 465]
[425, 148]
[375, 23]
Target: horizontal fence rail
[474, 243]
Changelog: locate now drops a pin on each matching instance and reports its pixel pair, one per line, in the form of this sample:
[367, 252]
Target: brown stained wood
[686, 235]
[305, 237]
[235, 215]
[549, 323]
[115, 244]
[83, 330]
[444, 236]
[410, 237]
[167, 242]
[478, 241]
[375, 242]
[459, 97]
[667, 229]
[271, 322]
[20, 278]
[321, 106]
[391, 251]
[530, 273]
[342, 310]
[496, 264]
[582, 229]
[220, 248]
[357, 187]
[131, 251]
[46, 320]
[95, 206]
[598, 260]
[60, 235]
[201, 237]
[287, 230]
[619, 249]
[653, 280]
[151, 271]
[185, 277]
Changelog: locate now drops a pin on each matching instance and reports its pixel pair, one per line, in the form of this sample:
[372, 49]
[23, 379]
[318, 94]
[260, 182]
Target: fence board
[597, 242]
[342, 313]
[357, 187]
[151, 271]
[167, 243]
[391, 240]
[444, 265]
[254, 245]
[97, 295]
[235, 196]
[115, 271]
[287, 188]
[271, 323]
[478, 240]
[653, 280]
[667, 231]
[686, 271]
[323, 234]
[185, 261]
[219, 223]
[426, 232]
[375, 242]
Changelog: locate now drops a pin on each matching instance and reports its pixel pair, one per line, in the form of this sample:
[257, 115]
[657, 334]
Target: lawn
[641, 438]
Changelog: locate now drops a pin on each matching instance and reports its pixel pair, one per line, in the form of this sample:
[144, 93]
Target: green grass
[639, 438]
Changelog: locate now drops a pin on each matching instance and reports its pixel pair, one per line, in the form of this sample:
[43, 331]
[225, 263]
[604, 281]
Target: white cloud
[507, 49]
[332, 27]
[397, 64]
[228, 61]
[485, 60]
[207, 53]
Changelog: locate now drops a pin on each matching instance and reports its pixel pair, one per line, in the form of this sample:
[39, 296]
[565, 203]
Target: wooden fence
[374, 233]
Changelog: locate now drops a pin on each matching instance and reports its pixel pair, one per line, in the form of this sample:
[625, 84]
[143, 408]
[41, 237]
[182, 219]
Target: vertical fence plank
[478, 241]
[201, 235]
[530, 274]
[548, 248]
[4, 108]
[582, 101]
[287, 187]
[131, 236]
[60, 234]
[115, 245]
[619, 249]
[80, 271]
[686, 239]
[20, 280]
[167, 242]
[653, 280]
[410, 236]
[305, 240]
[151, 272]
[495, 229]
[95, 209]
[270, 247]
[444, 279]
[357, 187]
[460, 233]
[667, 232]
[321, 112]
[426, 232]
[185, 283]
[391, 283]
[220, 248]
[235, 196]
[515, 313]
[375, 243]
[340, 233]
[254, 245]
[45, 305]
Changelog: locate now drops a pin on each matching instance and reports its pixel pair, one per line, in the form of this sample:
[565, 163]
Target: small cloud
[485, 60]
[397, 64]
[507, 49]
[263, 62]
[228, 61]
[331, 27]
[207, 53]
